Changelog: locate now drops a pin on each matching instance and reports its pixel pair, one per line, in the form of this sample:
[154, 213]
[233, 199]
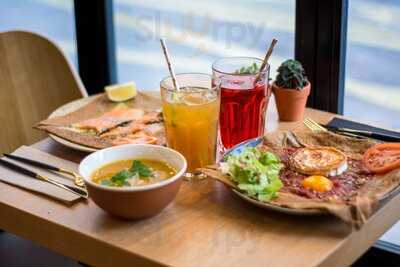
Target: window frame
[320, 45]
[94, 22]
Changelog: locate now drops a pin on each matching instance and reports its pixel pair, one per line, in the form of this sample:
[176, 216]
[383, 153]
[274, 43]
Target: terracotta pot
[291, 103]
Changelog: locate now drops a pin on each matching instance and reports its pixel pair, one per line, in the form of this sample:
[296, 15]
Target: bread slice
[326, 161]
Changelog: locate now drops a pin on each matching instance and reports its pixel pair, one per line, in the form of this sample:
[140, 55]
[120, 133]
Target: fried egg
[317, 183]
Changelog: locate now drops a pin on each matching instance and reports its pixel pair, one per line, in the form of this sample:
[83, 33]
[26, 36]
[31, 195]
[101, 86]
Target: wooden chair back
[35, 79]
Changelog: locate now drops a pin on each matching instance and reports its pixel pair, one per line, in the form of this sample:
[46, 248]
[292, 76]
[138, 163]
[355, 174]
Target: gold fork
[315, 127]
[78, 180]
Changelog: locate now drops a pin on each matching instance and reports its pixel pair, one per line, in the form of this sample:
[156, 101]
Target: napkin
[338, 122]
[14, 178]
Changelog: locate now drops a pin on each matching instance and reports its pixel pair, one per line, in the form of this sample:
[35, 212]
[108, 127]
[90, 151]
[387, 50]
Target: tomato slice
[382, 158]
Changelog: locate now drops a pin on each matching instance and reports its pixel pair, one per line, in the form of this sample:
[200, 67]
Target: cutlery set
[79, 190]
[359, 134]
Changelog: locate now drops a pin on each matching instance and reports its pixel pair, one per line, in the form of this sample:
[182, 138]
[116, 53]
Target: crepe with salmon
[103, 123]
[352, 194]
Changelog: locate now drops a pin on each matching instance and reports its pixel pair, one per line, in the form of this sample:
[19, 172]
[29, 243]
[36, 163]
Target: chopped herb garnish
[120, 178]
[252, 69]
[137, 169]
[141, 169]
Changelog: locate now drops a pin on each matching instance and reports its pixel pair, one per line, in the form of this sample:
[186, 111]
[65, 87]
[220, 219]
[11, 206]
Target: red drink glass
[243, 103]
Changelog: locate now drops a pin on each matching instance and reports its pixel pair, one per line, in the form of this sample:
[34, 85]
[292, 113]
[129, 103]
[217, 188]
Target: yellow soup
[132, 172]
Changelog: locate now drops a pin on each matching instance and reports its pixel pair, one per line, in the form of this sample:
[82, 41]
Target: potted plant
[291, 89]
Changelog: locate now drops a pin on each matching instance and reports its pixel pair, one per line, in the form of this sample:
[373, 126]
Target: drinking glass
[191, 117]
[243, 102]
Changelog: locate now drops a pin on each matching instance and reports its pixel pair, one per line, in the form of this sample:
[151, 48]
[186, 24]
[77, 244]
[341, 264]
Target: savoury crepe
[103, 123]
[358, 208]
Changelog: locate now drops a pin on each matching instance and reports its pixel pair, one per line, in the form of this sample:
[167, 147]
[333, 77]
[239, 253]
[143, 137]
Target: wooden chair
[35, 79]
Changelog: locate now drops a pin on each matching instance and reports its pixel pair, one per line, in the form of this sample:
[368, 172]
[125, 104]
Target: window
[197, 33]
[51, 18]
[372, 91]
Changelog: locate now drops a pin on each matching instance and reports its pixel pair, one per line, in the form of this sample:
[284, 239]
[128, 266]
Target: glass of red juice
[243, 102]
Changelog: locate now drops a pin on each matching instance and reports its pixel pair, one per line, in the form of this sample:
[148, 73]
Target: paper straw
[169, 64]
[266, 58]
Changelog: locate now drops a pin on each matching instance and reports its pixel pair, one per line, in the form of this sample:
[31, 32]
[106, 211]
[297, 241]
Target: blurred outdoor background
[198, 32]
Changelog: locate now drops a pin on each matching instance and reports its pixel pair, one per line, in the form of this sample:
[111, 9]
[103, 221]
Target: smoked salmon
[133, 126]
[111, 119]
[137, 138]
[130, 128]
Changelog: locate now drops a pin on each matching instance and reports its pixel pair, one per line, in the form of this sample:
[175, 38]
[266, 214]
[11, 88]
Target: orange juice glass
[191, 117]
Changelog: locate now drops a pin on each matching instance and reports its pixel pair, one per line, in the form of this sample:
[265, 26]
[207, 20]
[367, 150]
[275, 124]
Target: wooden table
[207, 225]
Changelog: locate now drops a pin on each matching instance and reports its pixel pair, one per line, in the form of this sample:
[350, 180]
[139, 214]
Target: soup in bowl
[133, 172]
[133, 181]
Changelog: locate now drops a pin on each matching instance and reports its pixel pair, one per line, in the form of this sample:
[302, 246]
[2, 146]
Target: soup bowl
[134, 202]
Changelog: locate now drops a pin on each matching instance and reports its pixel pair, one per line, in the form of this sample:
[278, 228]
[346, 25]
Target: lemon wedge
[121, 92]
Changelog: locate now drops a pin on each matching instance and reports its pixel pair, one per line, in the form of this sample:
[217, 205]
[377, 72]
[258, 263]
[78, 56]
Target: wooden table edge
[78, 247]
[350, 249]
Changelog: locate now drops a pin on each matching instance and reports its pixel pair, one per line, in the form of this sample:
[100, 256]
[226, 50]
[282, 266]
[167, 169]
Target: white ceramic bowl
[139, 201]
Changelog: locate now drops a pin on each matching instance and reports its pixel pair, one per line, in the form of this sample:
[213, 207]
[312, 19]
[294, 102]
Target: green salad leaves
[256, 173]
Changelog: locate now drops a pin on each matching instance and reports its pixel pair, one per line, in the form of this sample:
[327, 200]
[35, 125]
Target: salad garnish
[252, 69]
[255, 172]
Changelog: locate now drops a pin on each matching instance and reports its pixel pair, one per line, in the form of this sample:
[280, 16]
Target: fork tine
[306, 124]
[309, 120]
[316, 124]
[309, 125]
[320, 127]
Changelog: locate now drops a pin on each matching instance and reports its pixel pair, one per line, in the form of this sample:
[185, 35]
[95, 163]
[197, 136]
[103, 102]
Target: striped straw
[169, 64]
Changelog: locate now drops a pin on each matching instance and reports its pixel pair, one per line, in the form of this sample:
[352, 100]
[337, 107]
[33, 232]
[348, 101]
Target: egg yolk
[318, 183]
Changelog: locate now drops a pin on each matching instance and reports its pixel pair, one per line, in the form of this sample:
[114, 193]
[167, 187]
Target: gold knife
[17, 168]
[77, 178]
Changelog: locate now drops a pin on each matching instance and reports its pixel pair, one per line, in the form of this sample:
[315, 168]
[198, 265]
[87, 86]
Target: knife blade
[32, 162]
[19, 169]
[370, 134]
